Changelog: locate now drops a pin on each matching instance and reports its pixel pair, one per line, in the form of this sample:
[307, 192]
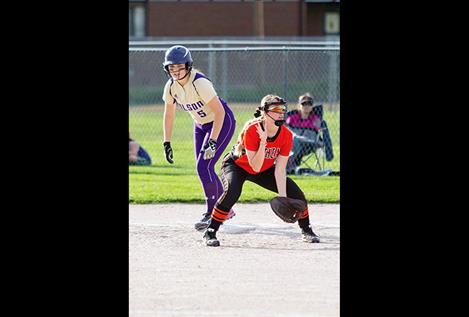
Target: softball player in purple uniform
[214, 122]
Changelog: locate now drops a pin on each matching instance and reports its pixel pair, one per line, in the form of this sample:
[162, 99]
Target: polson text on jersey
[191, 106]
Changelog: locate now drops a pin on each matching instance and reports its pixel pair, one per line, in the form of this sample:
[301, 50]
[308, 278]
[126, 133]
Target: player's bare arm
[168, 120]
[281, 175]
[133, 151]
[219, 112]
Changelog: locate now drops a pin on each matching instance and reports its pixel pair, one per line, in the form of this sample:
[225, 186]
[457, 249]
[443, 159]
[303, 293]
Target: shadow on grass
[159, 170]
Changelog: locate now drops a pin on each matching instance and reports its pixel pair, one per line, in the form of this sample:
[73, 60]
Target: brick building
[167, 18]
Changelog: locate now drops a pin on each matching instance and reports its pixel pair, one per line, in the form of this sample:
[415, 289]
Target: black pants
[233, 178]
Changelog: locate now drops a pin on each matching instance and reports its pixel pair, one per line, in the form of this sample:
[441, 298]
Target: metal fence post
[332, 85]
[211, 64]
[285, 73]
[225, 72]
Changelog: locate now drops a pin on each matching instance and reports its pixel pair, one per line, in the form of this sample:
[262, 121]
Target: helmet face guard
[177, 54]
[279, 106]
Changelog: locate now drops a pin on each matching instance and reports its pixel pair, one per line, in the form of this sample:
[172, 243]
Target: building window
[332, 23]
[137, 21]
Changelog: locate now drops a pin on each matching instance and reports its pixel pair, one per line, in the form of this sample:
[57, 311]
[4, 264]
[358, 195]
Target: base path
[261, 269]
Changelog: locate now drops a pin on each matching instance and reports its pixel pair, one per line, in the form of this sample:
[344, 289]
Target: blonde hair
[239, 147]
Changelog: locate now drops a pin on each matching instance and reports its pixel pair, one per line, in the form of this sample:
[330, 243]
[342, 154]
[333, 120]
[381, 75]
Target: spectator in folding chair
[305, 125]
[137, 154]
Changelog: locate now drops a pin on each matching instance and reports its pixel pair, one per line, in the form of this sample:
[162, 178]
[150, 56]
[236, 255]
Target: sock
[304, 222]
[212, 191]
[214, 224]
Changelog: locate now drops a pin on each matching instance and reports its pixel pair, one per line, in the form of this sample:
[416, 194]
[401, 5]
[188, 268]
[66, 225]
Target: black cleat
[309, 236]
[211, 238]
[205, 221]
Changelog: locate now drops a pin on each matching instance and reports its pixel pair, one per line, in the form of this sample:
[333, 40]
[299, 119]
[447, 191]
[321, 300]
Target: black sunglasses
[307, 103]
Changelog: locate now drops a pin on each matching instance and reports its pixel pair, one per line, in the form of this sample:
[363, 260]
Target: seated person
[305, 125]
[137, 154]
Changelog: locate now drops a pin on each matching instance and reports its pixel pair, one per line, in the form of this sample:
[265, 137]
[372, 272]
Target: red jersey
[281, 144]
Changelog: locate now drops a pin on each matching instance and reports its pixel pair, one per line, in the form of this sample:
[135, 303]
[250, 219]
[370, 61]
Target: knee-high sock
[218, 217]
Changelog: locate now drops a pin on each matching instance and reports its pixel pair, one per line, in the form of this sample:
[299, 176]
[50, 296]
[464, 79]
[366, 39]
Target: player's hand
[168, 152]
[209, 149]
[133, 158]
[262, 133]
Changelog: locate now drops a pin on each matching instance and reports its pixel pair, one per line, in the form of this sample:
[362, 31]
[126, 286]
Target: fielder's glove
[168, 152]
[288, 209]
[209, 149]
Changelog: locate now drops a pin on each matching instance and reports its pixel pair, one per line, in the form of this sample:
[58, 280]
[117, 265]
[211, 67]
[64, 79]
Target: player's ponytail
[239, 147]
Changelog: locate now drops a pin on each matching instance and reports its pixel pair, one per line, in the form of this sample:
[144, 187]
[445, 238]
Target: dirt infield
[261, 269]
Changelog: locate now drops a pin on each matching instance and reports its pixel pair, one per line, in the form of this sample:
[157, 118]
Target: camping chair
[316, 145]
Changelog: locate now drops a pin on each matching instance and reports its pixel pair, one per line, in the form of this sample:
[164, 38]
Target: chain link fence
[242, 76]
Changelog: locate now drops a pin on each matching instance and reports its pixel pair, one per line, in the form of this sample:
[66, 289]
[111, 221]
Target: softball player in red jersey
[260, 156]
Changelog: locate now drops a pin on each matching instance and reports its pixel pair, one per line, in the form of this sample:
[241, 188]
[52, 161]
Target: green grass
[178, 182]
[148, 94]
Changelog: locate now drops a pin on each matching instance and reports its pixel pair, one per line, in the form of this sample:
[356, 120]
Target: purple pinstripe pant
[206, 168]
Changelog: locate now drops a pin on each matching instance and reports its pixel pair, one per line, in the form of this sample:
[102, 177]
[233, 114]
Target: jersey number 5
[201, 113]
